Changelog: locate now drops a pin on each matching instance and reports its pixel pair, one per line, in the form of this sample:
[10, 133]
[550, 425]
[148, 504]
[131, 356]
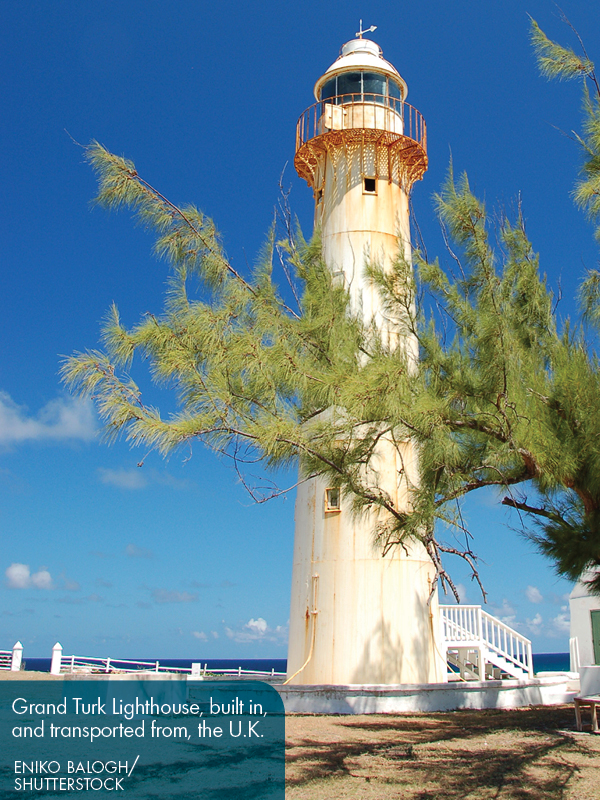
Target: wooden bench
[593, 701]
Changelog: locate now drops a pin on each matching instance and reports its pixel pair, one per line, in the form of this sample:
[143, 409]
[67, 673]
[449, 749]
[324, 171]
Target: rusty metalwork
[370, 119]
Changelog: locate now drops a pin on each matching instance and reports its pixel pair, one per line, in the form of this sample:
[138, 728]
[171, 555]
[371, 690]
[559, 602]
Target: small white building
[585, 625]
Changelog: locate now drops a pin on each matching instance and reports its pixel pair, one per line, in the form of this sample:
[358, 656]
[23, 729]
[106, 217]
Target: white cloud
[562, 622]
[200, 635]
[133, 551]
[42, 579]
[130, 479]
[165, 596]
[63, 418]
[134, 478]
[166, 479]
[80, 601]
[258, 625]
[69, 584]
[214, 634]
[535, 625]
[462, 592]
[533, 594]
[507, 615]
[19, 576]
[257, 630]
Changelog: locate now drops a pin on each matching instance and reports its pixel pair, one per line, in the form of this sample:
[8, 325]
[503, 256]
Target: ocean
[551, 662]
[254, 664]
[542, 662]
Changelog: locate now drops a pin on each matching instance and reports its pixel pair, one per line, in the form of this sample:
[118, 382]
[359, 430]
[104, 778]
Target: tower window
[333, 500]
[370, 186]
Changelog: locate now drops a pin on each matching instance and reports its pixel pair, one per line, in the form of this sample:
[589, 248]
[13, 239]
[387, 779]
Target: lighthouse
[358, 617]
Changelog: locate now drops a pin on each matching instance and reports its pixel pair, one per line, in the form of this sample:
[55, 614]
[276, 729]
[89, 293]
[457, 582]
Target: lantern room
[361, 74]
[362, 98]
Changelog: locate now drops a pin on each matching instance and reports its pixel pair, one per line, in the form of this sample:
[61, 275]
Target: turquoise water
[551, 662]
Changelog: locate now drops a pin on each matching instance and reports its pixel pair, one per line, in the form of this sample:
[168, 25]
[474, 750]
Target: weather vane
[359, 33]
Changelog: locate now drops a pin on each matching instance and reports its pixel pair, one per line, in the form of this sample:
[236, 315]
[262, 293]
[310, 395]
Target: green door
[596, 635]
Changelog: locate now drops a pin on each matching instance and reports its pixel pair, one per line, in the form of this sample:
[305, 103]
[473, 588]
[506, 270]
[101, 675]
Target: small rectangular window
[370, 186]
[332, 500]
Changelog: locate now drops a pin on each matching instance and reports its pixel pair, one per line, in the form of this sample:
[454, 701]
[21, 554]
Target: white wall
[581, 604]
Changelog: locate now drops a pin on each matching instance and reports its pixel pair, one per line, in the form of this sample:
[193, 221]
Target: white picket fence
[199, 671]
[62, 664]
[88, 664]
[11, 660]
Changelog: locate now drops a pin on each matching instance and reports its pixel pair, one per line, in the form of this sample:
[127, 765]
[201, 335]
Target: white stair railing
[461, 624]
[500, 645]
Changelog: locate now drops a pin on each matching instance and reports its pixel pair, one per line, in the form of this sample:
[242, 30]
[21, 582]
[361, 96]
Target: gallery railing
[373, 112]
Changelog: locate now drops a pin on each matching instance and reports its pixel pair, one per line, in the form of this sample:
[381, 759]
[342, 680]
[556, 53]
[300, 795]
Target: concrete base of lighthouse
[356, 699]
[357, 617]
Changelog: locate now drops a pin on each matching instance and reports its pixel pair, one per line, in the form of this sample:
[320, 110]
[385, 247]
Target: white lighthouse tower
[358, 617]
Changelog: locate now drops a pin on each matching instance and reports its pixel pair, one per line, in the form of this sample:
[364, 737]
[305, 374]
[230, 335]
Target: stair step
[469, 668]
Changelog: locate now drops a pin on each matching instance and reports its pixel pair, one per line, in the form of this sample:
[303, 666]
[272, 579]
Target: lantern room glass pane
[329, 89]
[394, 90]
[374, 87]
[350, 83]
[358, 87]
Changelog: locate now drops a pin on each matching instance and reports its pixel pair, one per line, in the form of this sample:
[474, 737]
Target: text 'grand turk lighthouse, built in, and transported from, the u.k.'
[357, 617]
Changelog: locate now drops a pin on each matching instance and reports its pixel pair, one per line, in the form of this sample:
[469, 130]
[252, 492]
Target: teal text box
[141, 738]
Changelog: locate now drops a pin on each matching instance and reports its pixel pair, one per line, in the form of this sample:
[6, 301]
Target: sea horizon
[542, 662]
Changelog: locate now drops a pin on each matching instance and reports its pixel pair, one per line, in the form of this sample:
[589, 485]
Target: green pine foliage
[498, 397]
[556, 61]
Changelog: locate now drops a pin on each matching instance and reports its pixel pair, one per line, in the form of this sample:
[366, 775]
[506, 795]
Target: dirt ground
[526, 754]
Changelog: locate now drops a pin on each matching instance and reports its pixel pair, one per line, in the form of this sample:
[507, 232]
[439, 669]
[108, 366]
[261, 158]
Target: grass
[524, 754]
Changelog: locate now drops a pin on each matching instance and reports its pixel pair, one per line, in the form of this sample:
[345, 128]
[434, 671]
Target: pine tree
[499, 397]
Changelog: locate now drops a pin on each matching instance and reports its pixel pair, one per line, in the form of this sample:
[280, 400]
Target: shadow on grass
[525, 754]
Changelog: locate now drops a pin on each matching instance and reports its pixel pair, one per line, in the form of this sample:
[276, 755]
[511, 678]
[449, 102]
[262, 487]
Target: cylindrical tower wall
[362, 217]
[361, 617]
[358, 617]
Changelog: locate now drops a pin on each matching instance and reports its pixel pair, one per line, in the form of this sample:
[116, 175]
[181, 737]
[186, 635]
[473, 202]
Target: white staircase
[479, 647]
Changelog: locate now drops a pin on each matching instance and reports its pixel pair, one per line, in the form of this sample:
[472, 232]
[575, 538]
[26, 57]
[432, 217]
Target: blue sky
[173, 560]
